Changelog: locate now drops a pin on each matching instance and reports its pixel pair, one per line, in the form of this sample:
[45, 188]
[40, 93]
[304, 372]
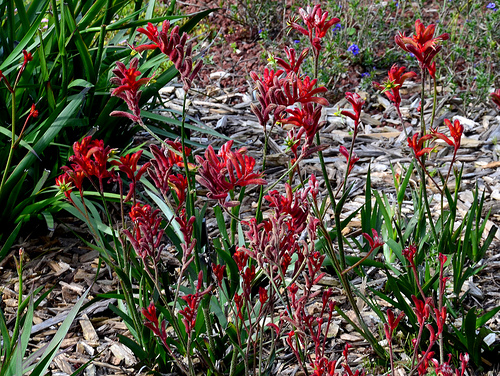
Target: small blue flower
[296, 41]
[366, 74]
[354, 49]
[492, 6]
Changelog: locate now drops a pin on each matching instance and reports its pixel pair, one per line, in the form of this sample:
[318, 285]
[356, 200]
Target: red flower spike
[293, 64]
[464, 360]
[128, 165]
[64, 183]
[190, 312]
[444, 369]
[150, 314]
[179, 184]
[456, 131]
[241, 258]
[248, 276]
[147, 235]
[151, 32]
[128, 88]
[391, 87]
[90, 157]
[174, 46]
[307, 118]
[440, 319]
[223, 172]
[432, 70]
[33, 111]
[316, 23]
[392, 323]
[27, 57]
[354, 158]
[409, 253]
[238, 301]
[262, 295]
[423, 44]
[375, 241]
[416, 144]
[357, 103]
[219, 272]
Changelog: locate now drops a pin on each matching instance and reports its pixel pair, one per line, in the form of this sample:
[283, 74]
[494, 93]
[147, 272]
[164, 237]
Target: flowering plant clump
[228, 303]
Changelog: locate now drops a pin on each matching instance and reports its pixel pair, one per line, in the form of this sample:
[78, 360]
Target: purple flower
[365, 74]
[492, 6]
[354, 49]
[296, 41]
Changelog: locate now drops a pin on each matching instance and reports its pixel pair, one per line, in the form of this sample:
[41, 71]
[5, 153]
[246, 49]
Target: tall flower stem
[258, 213]
[12, 142]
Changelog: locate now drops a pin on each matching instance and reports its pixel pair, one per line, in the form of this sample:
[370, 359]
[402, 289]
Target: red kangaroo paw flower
[422, 44]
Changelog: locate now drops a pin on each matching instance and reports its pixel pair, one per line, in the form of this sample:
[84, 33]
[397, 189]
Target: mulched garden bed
[58, 260]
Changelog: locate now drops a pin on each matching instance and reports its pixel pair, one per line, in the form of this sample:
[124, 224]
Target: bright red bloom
[241, 259]
[304, 91]
[166, 158]
[432, 70]
[128, 88]
[456, 131]
[417, 144]
[307, 118]
[151, 32]
[33, 111]
[267, 79]
[293, 203]
[248, 276]
[392, 323]
[90, 157]
[190, 312]
[423, 44]
[174, 46]
[147, 234]
[179, 184]
[128, 165]
[422, 309]
[64, 182]
[440, 319]
[375, 241]
[409, 253]
[238, 301]
[187, 228]
[357, 103]
[27, 57]
[394, 82]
